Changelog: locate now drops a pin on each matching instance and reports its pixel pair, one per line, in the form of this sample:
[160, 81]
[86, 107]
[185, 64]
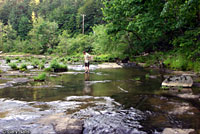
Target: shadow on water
[131, 88]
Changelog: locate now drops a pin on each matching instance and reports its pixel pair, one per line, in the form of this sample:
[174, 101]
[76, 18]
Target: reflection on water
[82, 94]
[87, 90]
[104, 82]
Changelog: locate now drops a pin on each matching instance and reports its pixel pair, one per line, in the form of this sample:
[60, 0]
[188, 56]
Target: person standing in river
[87, 58]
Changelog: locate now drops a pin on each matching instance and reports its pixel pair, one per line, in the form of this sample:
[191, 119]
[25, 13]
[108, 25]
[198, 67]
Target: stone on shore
[178, 81]
[177, 131]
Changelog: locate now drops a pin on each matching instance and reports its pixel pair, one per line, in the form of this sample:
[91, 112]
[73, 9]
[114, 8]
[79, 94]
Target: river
[121, 101]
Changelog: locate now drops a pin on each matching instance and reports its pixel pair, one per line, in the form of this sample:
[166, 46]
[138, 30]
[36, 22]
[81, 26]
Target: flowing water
[121, 101]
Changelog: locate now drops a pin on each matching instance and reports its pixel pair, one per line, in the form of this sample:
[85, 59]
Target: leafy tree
[78, 44]
[43, 36]
[151, 25]
[63, 43]
[24, 27]
[182, 19]
[63, 12]
[5, 9]
[8, 36]
[136, 20]
[65, 17]
[20, 18]
[92, 10]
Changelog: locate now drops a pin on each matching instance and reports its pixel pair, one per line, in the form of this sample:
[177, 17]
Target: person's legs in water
[87, 68]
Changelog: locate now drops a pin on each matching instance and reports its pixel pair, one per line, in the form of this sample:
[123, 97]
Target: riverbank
[167, 61]
[170, 63]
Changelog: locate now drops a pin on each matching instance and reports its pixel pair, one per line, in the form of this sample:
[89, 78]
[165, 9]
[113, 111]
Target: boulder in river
[178, 81]
[120, 122]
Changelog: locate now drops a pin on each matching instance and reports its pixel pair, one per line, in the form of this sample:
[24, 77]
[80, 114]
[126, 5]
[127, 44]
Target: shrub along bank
[171, 60]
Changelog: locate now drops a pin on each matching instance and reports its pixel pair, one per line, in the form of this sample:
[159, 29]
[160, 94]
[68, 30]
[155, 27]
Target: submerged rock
[63, 124]
[188, 96]
[132, 64]
[185, 93]
[177, 131]
[13, 82]
[178, 81]
[182, 108]
[196, 84]
[109, 65]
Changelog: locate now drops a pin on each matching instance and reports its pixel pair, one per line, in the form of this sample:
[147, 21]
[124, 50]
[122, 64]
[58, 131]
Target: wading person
[87, 61]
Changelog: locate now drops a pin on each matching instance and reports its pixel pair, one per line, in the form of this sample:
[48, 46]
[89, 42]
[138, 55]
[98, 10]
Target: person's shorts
[87, 64]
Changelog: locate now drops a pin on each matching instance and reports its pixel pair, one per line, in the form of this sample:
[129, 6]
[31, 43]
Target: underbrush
[104, 58]
[170, 60]
[40, 77]
[13, 66]
[55, 66]
[23, 67]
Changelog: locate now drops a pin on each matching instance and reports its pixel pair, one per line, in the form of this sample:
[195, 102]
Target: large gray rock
[63, 124]
[177, 131]
[178, 81]
[120, 122]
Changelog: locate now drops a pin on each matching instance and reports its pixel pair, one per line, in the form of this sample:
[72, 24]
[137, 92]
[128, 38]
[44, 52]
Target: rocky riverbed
[111, 99]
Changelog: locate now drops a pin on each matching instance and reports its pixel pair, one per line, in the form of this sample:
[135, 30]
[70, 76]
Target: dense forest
[169, 31]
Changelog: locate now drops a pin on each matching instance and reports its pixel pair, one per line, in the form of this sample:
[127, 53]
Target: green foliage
[69, 17]
[196, 66]
[189, 43]
[78, 44]
[23, 67]
[19, 60]
[57, 67]
[165, 87]
[104, 58]
[44, 60]
[8, 37]
[48, 69]
[40, 77]
[102, 43]
[137, 79]
[63, 44]
[13, 65]
[147, 76]
[134, 20]
[5, 10]
[8, 59]
[90, 8]
[43, 36]
[152, 25]
[35, 63]
[132, 28]
[177, 62]
[20, 18]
